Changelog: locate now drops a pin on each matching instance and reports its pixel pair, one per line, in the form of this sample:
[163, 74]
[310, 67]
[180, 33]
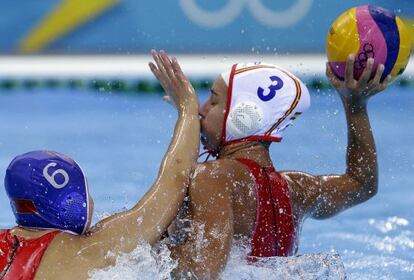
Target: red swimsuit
[19, 257]
[275, 230]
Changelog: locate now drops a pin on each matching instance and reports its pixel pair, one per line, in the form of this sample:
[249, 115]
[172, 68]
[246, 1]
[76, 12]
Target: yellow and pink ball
[369, 32]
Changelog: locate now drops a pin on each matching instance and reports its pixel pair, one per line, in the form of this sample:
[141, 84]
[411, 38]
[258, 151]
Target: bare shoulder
[299, 180]
[218, 167]
[79, 247]
[70, 255]
[222, 170]
[71, 244]
[303, 190]
[218, 175]
[67, 242]
[323, 196]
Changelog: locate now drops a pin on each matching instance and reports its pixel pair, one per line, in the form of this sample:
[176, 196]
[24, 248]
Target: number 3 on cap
[51, 178]
[272, 89]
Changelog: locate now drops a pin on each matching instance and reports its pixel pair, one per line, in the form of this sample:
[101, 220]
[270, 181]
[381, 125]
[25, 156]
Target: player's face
[212, 115]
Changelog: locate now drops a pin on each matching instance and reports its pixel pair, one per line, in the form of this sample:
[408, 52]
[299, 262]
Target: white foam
[309, 266]
[143, 263]
[378, 267]
[391, 224]
[153, 264]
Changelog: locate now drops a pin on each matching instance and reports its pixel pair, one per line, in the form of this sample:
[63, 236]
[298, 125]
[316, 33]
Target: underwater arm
[325, 196]
[150, 217]
[204, 255]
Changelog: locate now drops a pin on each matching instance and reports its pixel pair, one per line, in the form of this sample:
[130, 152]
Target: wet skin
[73, 257]
[222, 192]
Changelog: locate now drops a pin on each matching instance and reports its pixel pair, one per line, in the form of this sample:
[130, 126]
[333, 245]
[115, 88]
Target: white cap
[263, 100]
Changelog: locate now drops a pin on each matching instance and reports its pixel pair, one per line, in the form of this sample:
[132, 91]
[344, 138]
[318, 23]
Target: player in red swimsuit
[50, 199]
[240, 195]
[20, 258]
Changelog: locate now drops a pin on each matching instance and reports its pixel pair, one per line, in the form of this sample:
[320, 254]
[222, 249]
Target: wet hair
[266, 144]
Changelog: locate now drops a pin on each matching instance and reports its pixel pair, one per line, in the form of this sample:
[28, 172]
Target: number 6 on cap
[51, 178]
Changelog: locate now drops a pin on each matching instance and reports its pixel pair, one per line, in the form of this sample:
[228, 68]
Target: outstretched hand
[357, 92]
[178, 89]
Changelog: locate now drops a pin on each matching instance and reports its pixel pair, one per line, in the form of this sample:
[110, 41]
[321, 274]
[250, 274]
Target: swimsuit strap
[264, 233]
[24, 255]
[8, 248]
[275, 229]
[284, 220]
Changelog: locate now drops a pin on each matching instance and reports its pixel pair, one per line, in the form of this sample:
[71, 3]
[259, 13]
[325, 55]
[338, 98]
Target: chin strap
[209, 153]
[212, 153]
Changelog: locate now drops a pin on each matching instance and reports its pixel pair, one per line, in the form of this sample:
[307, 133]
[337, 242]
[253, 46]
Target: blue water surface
[119, 140]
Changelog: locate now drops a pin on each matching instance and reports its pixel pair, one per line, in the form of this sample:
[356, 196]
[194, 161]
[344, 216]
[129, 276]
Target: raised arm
[150, 217]
[326, 195]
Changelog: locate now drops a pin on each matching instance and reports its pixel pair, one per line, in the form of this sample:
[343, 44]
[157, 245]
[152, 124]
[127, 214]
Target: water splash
[143, 263]
[156, 264]
[383, 250]
[365, 266]
[391, 224]
[304, 267]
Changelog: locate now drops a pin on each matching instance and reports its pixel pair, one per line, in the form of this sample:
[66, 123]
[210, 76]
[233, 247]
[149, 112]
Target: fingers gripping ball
[368, 32]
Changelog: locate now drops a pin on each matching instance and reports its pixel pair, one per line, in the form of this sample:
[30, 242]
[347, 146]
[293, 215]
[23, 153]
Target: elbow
[366, 192]
[370, 187]
[370, 190]
[364, 188]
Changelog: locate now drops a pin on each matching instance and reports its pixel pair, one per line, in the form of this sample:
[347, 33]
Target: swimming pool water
[119, 140]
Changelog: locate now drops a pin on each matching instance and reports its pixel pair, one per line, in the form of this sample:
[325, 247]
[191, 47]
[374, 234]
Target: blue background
[137, 26]
[119, 141]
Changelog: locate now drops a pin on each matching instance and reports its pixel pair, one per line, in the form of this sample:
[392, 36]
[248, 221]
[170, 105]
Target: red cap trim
[24, 206]
[229, 93]
[254, 138]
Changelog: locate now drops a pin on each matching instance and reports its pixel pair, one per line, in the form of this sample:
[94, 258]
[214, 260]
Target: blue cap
[48, 190]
